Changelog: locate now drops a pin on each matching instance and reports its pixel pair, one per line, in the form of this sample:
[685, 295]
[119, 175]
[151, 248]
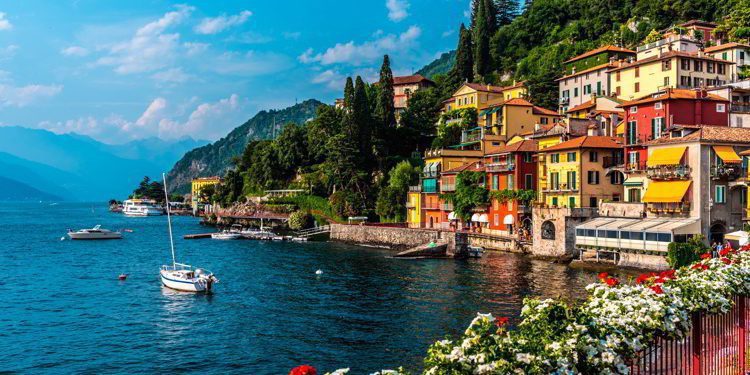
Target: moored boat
[95, 233]
[226, 235]
[141, 207]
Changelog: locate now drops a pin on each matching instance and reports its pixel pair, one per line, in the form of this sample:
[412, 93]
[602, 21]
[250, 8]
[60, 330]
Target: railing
[431, 206]
[501, 167]
[561, 188]
[471, 137]
[716, 344]
[669, 172]
[612, 162]
[638, 140]
[669, 208]
[415, 189]
[447, 207]
[447, 187]
[313, 231]
[744, 107]
[637, 166]
[728, 171]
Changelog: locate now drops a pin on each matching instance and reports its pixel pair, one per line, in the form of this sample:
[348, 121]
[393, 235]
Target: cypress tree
[385, 111]
[482, 35]
[474, 9]
[507, 10]
[464, 68]
[360, 119]
[348, 93]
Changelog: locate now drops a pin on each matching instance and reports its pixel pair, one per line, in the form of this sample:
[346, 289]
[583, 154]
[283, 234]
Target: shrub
[300, 220]
[683, 254]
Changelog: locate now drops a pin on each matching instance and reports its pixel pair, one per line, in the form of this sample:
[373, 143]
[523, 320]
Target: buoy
[319, 272]
[122, 276]
[62, 238]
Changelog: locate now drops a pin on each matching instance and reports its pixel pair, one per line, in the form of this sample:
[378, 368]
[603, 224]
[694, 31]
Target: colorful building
[702, 31]
[738, 93]
[404, 87]
[515, 116]
[738, 53]
[512, 167]
[479, 96]
[675, 69]
[198, 184]
[586, 75]
[580, 173]
[652, 116]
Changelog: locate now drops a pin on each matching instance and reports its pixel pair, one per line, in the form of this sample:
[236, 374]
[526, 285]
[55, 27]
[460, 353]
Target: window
[651, 236]
[617, 76]
[666, 65]
[566, 93]
[543, 120]
[684, 64]
[593, 177]
[593, 202]
[575, 92]
[637, 86]
[528, 157]
[664, 237]
[571, 202]
[697, 82]
[685, 81]
[634, 109]
[657, 105]
[721, 69]
[698, 65]
[724, 56]
[657, 127]
[580, 232]
[721, 107]
[598, 88]
[528, 182]
[497, 220]
[631, 132]
[617, 91]
[710, 67]
[510, 182]
[572, 156]
[615, 178]
[495, 182]
[548, 230]
[554, 201]
[666, 81]
[510, 205]
[572, 181]
[587, 89]
[720, 196]
[742, 55]
[590, 232]
[554, 158]
[554, 179]
[637, 71]
[593, 156]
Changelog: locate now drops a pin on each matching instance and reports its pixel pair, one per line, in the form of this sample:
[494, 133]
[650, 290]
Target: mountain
[80, 168]
[214, 159]
[13, 190]
[441, 65]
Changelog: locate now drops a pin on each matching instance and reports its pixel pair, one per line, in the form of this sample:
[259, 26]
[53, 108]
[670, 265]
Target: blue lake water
[62, 309]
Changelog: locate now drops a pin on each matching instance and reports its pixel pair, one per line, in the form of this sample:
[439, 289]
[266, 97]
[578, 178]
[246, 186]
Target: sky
[127, 70]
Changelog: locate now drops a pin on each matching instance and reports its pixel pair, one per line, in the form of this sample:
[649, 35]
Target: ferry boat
[95, 233]
[141, 207]
[183, 277]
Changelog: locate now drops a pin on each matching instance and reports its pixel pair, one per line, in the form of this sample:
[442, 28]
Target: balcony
[612, 162]
[447, 187]
[447, 207]
[501, 167]
[564, 100]
[415, 189]
[681, 208]
[561, 188]
[410, 204]
[740, 107]
[638, 140]
[728, 172]
[471, 136]
[637, 166]
[431, 206]
[669, 172]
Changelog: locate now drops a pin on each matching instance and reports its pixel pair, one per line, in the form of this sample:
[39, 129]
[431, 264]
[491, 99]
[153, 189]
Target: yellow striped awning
[727, 154]
[666, 191]
[666, 156]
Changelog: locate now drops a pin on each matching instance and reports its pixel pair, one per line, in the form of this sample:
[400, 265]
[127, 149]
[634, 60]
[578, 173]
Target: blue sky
[119, 71]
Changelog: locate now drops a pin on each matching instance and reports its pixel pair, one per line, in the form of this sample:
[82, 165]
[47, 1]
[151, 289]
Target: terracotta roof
[588, 141]
[669, 55]
[589, 70]
[475, 166]
[670, 94]
[698, 23]
[724, 46]
[522, 146]
[609, 48]
[525, 103]
[405, 80]
[581, 107]
[486, 88]
[544, 111]
[517, 101]
[709, 134]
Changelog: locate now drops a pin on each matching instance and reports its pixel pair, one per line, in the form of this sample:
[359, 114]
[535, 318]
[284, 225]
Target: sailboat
[181, 276]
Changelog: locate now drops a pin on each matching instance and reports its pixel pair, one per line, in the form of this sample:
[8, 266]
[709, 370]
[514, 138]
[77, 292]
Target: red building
[445, 213]
[649, 117]
[511, 167]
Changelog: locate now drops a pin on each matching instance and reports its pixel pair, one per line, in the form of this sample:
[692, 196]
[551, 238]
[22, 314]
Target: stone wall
[643, 261]
[634, 210]
[564, 221]
[395, 238]
[501, 244]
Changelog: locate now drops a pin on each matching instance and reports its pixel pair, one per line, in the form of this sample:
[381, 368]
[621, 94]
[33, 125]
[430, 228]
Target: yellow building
[479, 96]
[575, 173]
[675, 69]
[414, 207]
[515, 116]
[199, 184]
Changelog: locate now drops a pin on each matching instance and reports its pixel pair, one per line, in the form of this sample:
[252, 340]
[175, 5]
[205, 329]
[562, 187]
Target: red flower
[611, 281]
[660, 280]
[725, 251]
[657, 289]
[697, 266]
[726, 260]
[603, 275]
[499, 322]
[706, 256]
[668, 274]
[642, 278]
[303, 370]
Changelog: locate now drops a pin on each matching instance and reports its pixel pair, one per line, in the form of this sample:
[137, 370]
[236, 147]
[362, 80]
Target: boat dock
[196, 236]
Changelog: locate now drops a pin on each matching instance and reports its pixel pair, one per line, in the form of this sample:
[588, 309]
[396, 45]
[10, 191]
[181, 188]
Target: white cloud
[150, 48]
[86, 125]
[74, 51]
[357, 54]
[251, 63]
[8, 51]
[21, 96]
[207, 121]
[218, 24]
[4, 23]
[153, 113]
[331, 78]
[174, 75]
[447, 33]
[193, 48]
[397, 9]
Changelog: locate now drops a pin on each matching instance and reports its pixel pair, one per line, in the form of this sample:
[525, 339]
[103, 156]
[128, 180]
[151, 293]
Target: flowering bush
[601, 334]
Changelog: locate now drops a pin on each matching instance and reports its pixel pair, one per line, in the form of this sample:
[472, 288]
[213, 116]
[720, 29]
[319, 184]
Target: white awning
[740, 236]
[475, 217]
[452, 216]
[509, 219]
[483, 218]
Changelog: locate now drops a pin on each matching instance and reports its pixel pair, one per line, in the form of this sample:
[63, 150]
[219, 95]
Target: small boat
[226, 235]
[183, 277]
[475, 251]
[299, 239]
[141, 207]
[95, 233]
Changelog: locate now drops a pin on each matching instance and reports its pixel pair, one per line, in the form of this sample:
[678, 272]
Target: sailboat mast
[169, 220]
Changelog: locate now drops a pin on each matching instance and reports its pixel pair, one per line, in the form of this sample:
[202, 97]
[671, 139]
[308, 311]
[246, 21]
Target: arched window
[548, 230]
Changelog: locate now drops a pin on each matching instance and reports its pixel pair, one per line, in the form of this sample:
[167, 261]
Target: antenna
[169, 220]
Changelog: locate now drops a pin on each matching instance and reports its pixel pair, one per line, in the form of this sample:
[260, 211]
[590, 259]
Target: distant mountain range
[12, 190]
[214, 159]
[76, 167]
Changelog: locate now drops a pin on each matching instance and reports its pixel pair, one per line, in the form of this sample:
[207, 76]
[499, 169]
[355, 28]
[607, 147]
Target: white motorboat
[95, 233]
[181, 276]
[226, 235]
[475, 251]
[141, 207]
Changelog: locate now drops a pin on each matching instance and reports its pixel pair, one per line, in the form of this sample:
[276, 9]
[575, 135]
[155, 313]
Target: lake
[64, 311]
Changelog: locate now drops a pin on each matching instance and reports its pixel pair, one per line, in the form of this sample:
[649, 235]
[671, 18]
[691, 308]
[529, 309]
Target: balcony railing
[560, 188]
[669, 172]
[669, 208]
[638, 140]
[612, 162]
[740, 107]
[467, 137]
[415, 189]
[447, 207]
[501, 167]
[431, 206]
[636, 166]
[728, 171]
[447, 187]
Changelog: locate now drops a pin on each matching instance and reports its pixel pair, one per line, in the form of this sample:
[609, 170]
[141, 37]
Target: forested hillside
[216, 158]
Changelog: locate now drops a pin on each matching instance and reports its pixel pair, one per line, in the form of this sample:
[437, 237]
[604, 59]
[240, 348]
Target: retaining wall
[395, 238]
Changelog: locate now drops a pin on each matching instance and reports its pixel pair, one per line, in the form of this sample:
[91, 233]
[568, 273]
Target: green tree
[507, 10]
[291, 150]
[464, 68]
[418, 121]
[683, 254]
[326, 124]
[483, 30]
[206, 193]
[653, 36]
[360, 122]
[299, 220]
[469, 194]
[386, 111]
[348, 92]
